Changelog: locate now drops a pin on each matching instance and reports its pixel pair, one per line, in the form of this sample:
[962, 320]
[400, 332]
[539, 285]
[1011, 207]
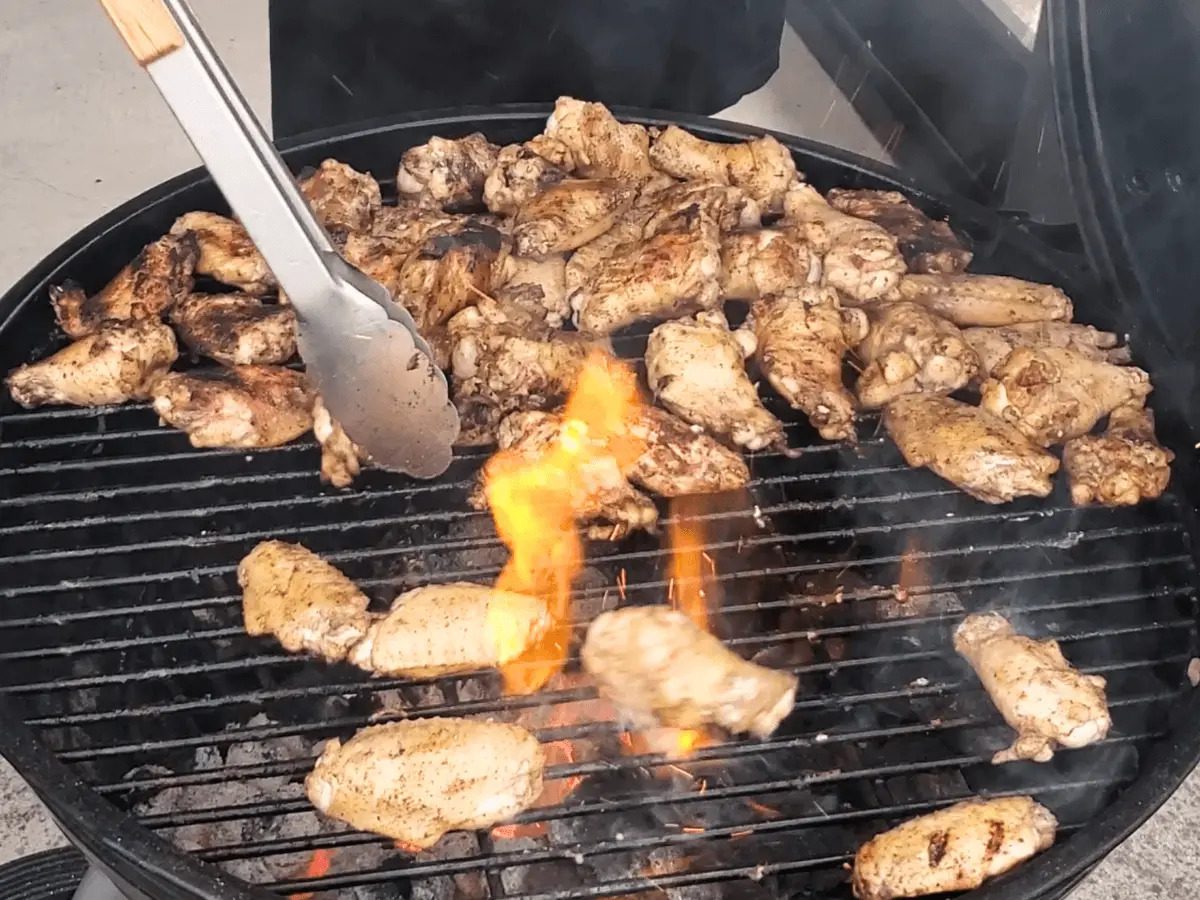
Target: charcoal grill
[126, 677]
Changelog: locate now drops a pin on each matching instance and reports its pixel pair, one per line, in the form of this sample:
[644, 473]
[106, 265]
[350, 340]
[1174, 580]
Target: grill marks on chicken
[159, 276]
[762, 167]
[1121, 467]
[765, 261]
[414, 781]
[910, 350]
[226, 252]
[343, 199]
[987, 300]
[677, 460]
[524, 170]
[236, 329]
[994, 344]
[928, 245]
[447, 173]
[121, 361]
[600, 146]
[1049, 702]
[567, 215]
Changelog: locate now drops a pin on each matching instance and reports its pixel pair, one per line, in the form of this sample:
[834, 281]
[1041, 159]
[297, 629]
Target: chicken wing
[730, 207]
[677, 460]
[629, 229]
[858, 257]
[243, 406]
[765, 261]
[534, 291]
[928, 245]
[994, 344]
[601, 147]
[1122, 467]
[695, 369]
[449, 173]
[569, 214]
[293, 595]
[910, 350]
[763, 167]
[343, 199]
[524, 170]
[451, 269]
[801, 337]
[985, 456]
[986, 299]
[341, 458]
[1052, 394]
[658, 668]
[226, 252]
[159, 277]
[415, 780]
[446, 628]
[1048, 702]
[954, 849]
[236, 329]
[119, 362]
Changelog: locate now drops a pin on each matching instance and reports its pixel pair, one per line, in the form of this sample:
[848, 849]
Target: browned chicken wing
[987, 457]
[676, 460]
[569, 214]
[236, 329]
[448, 173]
[994, 344]
[1121, 467]
[341, 458]
[730, 207]
[929, 245]
[343, 199]
[119, 362]
[990, 300]
[765, 261]
[242, 406]
[159, 277]
[601, 147]
[910, 350]
[451, 269]
[762, 167]
[629, 229]
[523, 171]
[534, 290]
[226, 252]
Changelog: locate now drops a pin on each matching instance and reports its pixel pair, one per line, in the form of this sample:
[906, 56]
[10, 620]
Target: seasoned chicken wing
[413, 781]
[858, 257]
[910, 350]
[449, 173]
[601, 147]
[659, 668]
[236, 329]
[954, 849]
[986, 299]
[765, 261]
[730, 207]
[534, 290]
[985, 456]
[226, 252]
[1048, 702]
[629, 229]
[119, 362]
[341, 458]
[159, 277]
[1121, 467]
[523, 171]
[569, 214]
[446, 628]
[676, 460]
[994, 344]
[242, 406]
[928, 245]
[293, 595]
[342, 198]
[1052, 394]
[801, 337]
[451, 269]
[695, 367]
[762, 167]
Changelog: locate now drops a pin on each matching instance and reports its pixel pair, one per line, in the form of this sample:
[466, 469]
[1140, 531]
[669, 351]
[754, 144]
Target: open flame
[690, 565]
[533, 503]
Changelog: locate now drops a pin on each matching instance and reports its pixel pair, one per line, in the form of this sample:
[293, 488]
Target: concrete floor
[84, 130]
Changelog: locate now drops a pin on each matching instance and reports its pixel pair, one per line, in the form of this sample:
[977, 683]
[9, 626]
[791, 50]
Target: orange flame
[687, 539]
[534, 504]
[318, 866]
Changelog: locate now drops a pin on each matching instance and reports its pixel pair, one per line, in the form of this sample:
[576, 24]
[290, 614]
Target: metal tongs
[363, 351]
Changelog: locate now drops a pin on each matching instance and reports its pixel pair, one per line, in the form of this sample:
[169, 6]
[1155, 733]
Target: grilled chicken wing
[730, 207]
[928, 245]
[523, 171]
[985, 456]
[677, 460]
[601, 147]
[243, 406]
[293, 595]
[695, 369]
[858, 257]
[954, 849]
[343, 199]
[801, 337]
[762, 167]
[414, 781]
[452, 267]
[994, 344]
[910, 350]
[990, 300]
[236, 329]
[119, 362]
[1052, 394]
[1038, 692]
[449, 173]
[159, 276]
[341, 458]
[569, 214]
[765, 261]
[446, 628]
[1121, 467]
[629, 229]
[226, 252]
[659, 668]
[534, 290]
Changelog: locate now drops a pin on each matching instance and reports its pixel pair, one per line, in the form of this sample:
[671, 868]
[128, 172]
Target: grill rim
[140, 861]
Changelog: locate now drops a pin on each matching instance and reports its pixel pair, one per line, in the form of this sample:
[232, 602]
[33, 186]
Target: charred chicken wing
[994, 344]
[765, 261]
[569, 214]
[120, 362]
[762, 167]
[414, 781]
[990, 300]
[910, 350]
[601, 147]
[677, 460]
[449, 173]
[236, 329]
[343, 199]
[226, 252]
[1048, 702]
[1121, 467]
[928, 245]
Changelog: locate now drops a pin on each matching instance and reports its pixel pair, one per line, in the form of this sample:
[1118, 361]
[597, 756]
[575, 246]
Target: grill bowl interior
[121, 645]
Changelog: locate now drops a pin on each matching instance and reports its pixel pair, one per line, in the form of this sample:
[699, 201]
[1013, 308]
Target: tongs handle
[146, 26]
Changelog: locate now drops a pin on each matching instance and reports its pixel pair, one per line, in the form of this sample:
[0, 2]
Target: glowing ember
[534, 501]
[912, 571]
[318, 867]
[411, 849]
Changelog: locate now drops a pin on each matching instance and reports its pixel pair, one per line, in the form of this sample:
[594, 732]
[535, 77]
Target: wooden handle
[146, 26]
